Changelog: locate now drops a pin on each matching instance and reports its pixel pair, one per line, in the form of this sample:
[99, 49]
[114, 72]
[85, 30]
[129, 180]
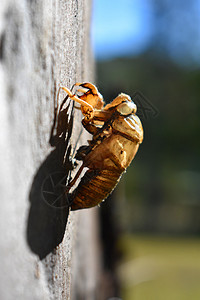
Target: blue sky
[128, 27]
[119, 27]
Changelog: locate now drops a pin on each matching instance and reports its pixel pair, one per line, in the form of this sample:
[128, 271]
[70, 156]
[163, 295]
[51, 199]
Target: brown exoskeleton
[117, 133]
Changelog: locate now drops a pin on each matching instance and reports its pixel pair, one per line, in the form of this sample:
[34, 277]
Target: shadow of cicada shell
[49, 206]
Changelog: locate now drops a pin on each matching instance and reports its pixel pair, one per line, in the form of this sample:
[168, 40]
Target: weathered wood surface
[44, 252]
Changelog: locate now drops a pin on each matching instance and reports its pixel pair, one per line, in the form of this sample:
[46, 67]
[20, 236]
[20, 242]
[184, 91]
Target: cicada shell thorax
[130, 127]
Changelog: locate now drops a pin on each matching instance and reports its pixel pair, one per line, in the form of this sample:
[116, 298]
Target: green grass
[160, 268]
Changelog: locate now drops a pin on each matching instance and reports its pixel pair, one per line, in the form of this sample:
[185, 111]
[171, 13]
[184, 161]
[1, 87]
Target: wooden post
[45, 253]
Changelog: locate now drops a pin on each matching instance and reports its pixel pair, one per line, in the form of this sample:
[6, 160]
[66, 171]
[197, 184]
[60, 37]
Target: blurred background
[150, 50]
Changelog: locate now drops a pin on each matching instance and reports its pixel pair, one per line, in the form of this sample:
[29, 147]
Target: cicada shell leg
[75, 98]
[70, 185]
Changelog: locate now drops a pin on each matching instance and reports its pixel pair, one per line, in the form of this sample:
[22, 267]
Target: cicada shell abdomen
[94, 187]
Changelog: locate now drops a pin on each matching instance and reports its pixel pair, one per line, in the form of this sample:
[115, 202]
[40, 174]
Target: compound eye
[127, 108]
